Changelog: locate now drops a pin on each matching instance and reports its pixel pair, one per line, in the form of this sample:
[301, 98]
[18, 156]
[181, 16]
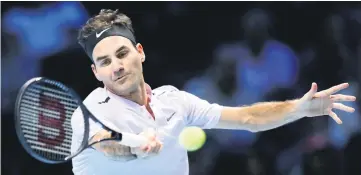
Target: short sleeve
[195, 111]
[200, 112]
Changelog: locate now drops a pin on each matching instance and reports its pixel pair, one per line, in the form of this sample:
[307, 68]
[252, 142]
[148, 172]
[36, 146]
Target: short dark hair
[104, 19]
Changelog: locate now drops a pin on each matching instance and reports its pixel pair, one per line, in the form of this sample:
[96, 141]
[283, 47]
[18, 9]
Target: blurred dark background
[231, 53]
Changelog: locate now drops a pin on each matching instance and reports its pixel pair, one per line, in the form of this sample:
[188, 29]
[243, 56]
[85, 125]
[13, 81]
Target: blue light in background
[40, 32]
[44, 31]
[74, 13]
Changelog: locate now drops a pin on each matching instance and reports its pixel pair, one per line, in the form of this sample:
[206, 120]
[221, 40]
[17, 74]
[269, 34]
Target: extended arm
[260, 116]
[269, 115]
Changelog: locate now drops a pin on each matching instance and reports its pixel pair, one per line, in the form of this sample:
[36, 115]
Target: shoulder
[168, 95]
[102, 108]
[164, 90]
[92, 102]
[168, 91]
[172, 95]
[96, 97]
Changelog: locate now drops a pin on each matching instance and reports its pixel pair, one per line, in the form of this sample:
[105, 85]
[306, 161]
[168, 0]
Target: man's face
[118, 64]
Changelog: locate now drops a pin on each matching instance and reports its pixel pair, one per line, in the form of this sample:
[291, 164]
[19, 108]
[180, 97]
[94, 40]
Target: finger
[144, 148]
[148, 150]
[335, 117]
[153, 144]
[342, 107]
[341, 97]
[312, 91]
[159, 147]
[336, 88]
[156, 148]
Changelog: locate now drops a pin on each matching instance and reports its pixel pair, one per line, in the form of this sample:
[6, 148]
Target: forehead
[109, 45]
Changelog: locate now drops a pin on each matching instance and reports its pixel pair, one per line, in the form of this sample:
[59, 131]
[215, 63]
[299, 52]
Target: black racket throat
[114, 137]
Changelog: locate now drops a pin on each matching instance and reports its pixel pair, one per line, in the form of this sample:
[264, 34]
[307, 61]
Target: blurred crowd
[232, 54]
[260, 67]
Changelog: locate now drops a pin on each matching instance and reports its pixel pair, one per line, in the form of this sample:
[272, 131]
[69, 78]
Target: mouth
[121, 77]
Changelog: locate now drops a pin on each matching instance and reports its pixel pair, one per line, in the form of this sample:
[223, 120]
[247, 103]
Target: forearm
[115, 151]
[111, 149]
[260, 116]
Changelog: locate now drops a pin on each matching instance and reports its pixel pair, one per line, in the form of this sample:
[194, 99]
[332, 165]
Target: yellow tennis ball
[192, 138]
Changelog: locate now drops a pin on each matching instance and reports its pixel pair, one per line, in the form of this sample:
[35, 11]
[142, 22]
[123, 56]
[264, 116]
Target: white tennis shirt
[173, 110]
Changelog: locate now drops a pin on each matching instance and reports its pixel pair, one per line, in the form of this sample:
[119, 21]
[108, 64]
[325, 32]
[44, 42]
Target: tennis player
[123, 105]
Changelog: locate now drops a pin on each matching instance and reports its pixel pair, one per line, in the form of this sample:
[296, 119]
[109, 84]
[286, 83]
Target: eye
[122, 54]
[105, 62]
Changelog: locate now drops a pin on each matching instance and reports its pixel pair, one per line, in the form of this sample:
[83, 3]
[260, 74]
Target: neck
[138, 96]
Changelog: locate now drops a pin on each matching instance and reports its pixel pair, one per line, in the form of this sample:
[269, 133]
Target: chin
[125, 88]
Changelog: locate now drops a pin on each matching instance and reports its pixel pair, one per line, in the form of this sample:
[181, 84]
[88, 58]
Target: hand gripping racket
[43, 114]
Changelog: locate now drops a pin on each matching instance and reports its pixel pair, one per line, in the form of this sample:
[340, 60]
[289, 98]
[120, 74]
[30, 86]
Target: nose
[117, 67]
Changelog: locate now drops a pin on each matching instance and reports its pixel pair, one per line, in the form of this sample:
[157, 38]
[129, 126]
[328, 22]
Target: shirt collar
[129, 102]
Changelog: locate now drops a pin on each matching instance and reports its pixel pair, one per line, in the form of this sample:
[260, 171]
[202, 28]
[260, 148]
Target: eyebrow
[106, 56]
[121, 49]
[100, 58]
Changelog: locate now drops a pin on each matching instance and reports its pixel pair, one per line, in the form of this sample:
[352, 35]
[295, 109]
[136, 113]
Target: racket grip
[133, 140]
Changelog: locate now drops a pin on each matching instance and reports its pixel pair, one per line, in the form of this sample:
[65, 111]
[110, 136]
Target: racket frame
[86, 115]
[18, 129]
[135, 140]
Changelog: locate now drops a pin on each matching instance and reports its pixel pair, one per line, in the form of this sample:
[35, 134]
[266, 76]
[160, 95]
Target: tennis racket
[43, 112]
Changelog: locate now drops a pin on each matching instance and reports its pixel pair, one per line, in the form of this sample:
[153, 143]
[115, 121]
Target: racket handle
[133, 140]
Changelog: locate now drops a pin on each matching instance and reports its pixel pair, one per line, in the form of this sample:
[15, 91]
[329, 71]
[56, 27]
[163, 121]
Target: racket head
[43, 112]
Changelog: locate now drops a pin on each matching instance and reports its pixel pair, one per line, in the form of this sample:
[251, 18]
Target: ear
[141, 51]
[95, 72]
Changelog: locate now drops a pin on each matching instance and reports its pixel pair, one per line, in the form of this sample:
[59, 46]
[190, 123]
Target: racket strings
[45, 117]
